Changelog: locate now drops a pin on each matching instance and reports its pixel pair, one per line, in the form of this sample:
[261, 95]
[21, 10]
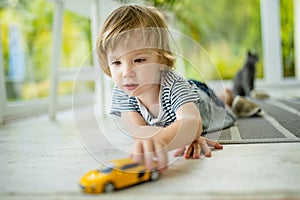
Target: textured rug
[278, 122]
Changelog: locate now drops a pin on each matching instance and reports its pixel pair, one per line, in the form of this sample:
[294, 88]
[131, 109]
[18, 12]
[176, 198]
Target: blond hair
[139, 18]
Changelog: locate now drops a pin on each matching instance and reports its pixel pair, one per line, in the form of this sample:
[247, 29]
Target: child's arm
[156, 141]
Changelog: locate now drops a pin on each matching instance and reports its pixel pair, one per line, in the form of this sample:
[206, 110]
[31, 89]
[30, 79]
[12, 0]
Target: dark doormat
[279, 122]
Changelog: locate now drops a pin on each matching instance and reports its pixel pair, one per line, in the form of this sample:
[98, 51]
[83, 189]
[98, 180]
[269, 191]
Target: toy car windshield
[106, 170]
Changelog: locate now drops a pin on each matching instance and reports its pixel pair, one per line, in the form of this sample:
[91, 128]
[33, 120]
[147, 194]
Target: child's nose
[128, 71]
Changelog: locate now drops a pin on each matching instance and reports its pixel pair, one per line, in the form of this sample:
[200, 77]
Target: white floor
[41, 159]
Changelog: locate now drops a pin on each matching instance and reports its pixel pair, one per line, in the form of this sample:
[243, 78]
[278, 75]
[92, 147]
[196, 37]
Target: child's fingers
[204, 146]
[188, 151]
[162, 157]
[148, 153]
[179, 152]
[207, 150]
[218, 146]
[137, 152]
[214, 144]
[197, 150]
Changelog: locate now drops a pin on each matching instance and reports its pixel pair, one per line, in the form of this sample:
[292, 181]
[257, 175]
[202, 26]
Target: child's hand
[194, 150]
[148, 150]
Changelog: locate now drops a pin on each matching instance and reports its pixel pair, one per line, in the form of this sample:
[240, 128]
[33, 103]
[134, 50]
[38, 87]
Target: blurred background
[226, 29]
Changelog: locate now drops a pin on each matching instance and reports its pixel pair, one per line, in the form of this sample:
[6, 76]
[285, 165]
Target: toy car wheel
[154, 175]
[108, 187]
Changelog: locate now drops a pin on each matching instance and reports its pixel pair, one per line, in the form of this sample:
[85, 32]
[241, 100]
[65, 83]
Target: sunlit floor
[41, 159]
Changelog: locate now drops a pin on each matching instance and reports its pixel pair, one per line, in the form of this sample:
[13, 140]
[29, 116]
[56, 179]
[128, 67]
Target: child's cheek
[117, 81]
[114, 76]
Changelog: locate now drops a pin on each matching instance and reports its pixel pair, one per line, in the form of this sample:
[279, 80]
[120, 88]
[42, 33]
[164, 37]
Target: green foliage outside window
[287, 37]
[34, 20]
[228, 28]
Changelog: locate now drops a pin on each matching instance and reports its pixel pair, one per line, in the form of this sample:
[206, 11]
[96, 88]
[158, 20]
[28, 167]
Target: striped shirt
[175, 91]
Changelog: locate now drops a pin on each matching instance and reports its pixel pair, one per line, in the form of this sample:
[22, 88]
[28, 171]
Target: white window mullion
[2, 85]
[271, 41]
[297, 37]
[56, 55]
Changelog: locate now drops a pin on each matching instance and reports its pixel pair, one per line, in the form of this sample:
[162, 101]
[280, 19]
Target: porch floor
[42, 159]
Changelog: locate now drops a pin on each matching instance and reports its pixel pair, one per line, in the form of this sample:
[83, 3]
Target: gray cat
[244, 79]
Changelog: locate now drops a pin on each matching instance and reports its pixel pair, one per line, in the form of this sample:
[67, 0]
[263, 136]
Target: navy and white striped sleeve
[183, 92]
[121, 102]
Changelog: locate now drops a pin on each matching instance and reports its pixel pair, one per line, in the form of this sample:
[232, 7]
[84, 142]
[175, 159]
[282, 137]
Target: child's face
[134, 68]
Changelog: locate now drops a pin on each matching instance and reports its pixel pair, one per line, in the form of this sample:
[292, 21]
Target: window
[26, 38]
[129, 166]
[106, 170]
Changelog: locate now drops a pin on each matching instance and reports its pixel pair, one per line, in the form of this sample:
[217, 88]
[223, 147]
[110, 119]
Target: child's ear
[163, 62]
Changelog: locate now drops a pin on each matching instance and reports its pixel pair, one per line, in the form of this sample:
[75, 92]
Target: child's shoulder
[170, 77]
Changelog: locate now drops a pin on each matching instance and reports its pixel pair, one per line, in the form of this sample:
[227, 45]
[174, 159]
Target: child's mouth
[130, 87]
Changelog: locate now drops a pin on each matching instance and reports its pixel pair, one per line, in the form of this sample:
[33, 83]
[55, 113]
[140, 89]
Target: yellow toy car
[119, 174]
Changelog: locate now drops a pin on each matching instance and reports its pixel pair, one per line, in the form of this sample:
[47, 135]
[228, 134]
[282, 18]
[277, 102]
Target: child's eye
[139, 60]
[115, 63]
